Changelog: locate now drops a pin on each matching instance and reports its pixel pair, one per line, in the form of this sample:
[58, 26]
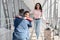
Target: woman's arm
[28, 18]
[19, 16]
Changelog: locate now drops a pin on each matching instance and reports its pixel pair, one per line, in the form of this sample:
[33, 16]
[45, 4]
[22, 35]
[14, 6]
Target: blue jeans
[20, 36]
[37, 27]
[21, 39]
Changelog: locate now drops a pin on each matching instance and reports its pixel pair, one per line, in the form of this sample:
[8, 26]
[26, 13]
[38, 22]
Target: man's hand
[30, 19]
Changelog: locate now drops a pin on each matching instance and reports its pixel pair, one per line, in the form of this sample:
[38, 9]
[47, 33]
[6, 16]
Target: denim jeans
[37, 27]
[20, 36]
[21, 39]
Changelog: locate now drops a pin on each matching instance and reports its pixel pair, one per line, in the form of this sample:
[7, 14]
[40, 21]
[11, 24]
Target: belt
[37, 19]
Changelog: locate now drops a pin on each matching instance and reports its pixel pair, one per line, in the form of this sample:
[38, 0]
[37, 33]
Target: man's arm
[30, 24]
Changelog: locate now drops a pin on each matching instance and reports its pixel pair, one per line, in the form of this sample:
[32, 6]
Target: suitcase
[47, 34]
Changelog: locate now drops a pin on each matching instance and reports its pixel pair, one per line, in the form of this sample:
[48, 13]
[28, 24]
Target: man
[21, 31]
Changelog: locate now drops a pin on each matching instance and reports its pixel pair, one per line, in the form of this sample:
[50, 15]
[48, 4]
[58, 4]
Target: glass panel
[3, 23]
[16, 6]
[0, 13]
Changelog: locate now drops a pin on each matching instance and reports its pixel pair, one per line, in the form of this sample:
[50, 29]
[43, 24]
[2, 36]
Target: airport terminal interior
[51, 13]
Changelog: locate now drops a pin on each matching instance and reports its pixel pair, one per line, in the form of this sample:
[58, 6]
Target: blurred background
[10, 8]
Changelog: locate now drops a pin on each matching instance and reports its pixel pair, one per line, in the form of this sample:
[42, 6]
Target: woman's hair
[21, 11]
[25, 13]
[40, 7]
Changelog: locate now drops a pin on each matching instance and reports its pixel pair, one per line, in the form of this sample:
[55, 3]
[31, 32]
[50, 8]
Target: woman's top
[36, 13]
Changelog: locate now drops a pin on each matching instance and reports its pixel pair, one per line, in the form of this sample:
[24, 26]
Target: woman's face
[38, 6]
[27, 15]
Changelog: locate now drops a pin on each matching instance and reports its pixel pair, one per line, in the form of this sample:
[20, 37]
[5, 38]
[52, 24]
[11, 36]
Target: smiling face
[37, 6]
[27, 15]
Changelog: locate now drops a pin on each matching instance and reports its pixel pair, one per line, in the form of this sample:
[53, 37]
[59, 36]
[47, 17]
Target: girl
[37, 13]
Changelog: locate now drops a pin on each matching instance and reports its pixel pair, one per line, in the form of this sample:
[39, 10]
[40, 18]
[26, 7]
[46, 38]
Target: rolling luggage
[47, 34]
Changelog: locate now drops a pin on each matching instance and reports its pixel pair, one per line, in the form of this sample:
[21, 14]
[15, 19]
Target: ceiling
[40, 1]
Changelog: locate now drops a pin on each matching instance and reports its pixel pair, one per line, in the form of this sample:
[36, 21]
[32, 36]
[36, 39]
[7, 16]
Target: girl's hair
[40, 7]
[25, 13]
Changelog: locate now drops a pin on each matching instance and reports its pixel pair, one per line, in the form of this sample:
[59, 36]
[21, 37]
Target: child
[21, 31]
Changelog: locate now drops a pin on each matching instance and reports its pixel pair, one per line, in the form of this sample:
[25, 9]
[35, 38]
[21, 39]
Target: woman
[21, 31]
[37, 13]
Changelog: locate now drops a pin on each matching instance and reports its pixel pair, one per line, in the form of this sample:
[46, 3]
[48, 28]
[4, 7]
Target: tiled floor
[7, 34]
[41, 36]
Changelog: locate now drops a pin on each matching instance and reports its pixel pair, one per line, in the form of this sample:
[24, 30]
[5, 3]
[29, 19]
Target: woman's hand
[19, 16]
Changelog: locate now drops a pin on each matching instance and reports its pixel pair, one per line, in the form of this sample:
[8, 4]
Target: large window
[6, 13]
[9, 9]
[0, 13]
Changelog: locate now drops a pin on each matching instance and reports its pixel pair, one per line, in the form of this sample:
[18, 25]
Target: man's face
[27, 15]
